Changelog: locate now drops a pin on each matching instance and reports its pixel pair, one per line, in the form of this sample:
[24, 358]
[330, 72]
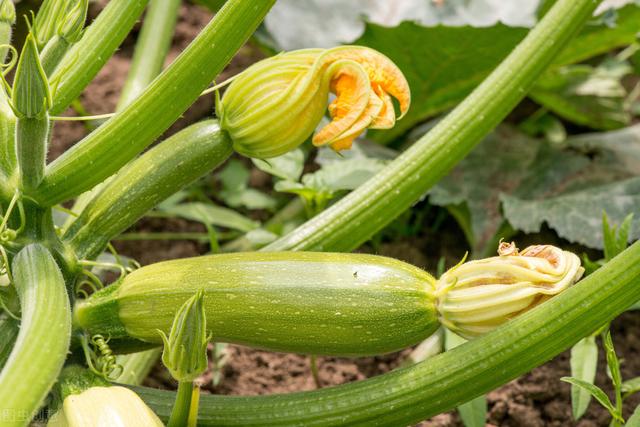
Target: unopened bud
[277, 103]
[7, 12]
[30, 95]
[72, 25]
[477, 296]
[185, 350]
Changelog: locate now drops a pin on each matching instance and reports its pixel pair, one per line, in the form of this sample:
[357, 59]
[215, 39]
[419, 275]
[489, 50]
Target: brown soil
[536, 399]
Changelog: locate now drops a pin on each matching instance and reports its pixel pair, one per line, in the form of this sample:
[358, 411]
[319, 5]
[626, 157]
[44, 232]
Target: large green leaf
[482, 176]
[575, 215]
[589, 96]
[442, 64]
[565, 186]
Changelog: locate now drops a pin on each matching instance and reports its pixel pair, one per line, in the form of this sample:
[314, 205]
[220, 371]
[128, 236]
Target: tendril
[7, 234]
[100, 357]
[4, 269]
[13, 60]
[7, 310]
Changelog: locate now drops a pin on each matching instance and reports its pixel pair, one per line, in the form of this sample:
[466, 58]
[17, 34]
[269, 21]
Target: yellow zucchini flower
[477, 296]
[276, 104]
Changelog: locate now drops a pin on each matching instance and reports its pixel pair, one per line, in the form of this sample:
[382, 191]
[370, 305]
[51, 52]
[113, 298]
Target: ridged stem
[180, 413]
[125, 135]
[440, 383]
[41, 347]
[53, 53]
[100, 40]
[151, 49]
[355, 218]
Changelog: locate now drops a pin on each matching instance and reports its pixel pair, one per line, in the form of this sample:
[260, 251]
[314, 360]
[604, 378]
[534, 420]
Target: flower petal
[384, 75]
[350, 83]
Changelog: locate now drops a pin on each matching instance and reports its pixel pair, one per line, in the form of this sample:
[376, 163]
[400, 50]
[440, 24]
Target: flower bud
[104, 406]
[277, 103]
[31, 97]
[71, 26]
[477, 296]
[185, 350]
[7, 12]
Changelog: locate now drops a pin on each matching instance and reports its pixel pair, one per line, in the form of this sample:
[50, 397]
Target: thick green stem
[119, 140]
[100, 40]
[31, 142]
[151, 48]
[147, 181]
[150, 54]
[355, 218]
[53, 53]
[180, 413]
[41, 346]
[442, 382]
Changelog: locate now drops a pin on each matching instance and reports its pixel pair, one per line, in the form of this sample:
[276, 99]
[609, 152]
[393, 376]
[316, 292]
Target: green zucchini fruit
[314, 303]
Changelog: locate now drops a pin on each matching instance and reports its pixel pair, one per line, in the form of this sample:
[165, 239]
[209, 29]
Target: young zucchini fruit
[315, 303]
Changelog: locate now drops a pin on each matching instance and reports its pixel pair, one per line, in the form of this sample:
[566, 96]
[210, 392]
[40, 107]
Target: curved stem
[151, 48]
[147, 181]
[121, 138]
[440, 383]
[355, 218]
[148, 59]
[100, 40]
[53, 53]
[43, 340]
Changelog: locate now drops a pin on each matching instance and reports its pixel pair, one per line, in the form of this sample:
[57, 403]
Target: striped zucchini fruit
[314, 303]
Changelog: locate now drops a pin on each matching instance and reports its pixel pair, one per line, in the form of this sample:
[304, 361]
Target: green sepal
[185, 349]
[31, 97]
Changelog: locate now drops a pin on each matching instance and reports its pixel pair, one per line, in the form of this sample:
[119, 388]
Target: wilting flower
[477, 296]
[104, 407]
[277, 103]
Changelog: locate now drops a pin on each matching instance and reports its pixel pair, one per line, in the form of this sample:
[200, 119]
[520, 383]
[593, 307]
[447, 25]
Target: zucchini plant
[283, 298]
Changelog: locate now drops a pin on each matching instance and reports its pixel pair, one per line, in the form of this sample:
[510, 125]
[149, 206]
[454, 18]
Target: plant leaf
[634, 419]
[595, 391]
[631, 386]
[584, 361]
[289, 166]
[586, 95]
[212, 214]
[479, 179]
